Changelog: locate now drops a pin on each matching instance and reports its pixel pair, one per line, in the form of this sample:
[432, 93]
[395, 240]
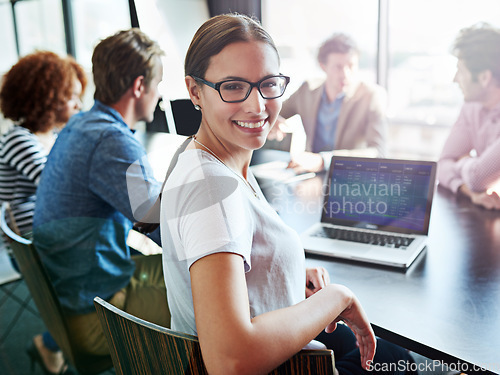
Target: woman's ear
[193, 89]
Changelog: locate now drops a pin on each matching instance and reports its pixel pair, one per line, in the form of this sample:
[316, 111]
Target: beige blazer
[362, 120]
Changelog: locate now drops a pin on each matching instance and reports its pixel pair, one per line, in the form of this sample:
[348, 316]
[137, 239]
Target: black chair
[176, 117]
[47, 303]
[141, 347]
[186, 119]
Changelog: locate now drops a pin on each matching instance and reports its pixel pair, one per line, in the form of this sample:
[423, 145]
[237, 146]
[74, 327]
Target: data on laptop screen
[385, 194]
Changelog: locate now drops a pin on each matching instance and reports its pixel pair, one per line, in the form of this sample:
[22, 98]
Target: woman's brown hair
[217, 33]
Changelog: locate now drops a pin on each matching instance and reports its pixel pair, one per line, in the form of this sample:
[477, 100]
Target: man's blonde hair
[119, 59]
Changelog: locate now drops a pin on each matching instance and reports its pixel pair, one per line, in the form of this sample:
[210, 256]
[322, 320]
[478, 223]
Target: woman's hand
[316, 279]
[278, 131]
[306, 162]
[356, 319]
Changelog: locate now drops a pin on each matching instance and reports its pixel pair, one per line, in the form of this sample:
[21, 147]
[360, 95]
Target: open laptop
[374, 210]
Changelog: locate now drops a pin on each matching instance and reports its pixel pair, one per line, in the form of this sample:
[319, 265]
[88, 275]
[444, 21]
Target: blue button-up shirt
[326, 123]
[83, 212]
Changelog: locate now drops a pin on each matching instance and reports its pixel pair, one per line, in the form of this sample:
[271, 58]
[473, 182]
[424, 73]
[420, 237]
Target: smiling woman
[239, 112]
[235, 273]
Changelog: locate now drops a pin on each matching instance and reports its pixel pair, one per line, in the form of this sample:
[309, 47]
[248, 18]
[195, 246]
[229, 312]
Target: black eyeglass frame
[216, 86]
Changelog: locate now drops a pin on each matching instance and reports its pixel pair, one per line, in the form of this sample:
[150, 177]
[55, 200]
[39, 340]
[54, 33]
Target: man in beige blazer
[339, 113]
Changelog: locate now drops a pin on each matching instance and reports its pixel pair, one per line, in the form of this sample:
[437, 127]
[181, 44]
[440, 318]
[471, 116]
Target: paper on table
[277, 171]
[274, 170]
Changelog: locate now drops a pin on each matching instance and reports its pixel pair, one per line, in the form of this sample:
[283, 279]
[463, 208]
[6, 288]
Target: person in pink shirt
[470, 160]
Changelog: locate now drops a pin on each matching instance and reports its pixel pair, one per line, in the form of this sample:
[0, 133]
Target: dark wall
[248, 7]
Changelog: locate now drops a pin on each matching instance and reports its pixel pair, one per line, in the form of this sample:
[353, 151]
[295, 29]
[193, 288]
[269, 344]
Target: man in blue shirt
[84, 214]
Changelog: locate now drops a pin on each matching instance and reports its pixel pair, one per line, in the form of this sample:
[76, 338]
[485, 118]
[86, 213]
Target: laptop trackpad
[337, 247]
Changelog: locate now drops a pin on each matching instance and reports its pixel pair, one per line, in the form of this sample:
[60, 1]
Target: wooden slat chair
[11, 268]
[141, 347]
[11, 220]
[47, 303]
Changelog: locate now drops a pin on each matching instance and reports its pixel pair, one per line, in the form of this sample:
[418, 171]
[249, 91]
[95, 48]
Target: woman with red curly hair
[39, 94]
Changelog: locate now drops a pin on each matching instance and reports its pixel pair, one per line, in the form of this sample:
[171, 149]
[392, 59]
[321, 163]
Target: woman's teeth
[251, 125]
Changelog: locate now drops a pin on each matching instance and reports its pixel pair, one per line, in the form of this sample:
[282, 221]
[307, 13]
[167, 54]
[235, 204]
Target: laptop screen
[386, 194]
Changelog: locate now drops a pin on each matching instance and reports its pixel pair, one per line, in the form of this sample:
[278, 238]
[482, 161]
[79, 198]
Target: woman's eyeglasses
[237, 90]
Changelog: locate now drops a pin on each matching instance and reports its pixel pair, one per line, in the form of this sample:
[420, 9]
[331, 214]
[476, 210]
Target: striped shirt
[22, 158]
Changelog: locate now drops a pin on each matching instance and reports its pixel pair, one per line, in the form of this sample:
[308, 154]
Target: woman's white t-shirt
[205, 209]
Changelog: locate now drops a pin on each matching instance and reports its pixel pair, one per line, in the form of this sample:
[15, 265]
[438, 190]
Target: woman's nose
[255, 102]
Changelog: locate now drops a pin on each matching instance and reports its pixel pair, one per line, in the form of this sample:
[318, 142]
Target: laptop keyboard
[378, 239]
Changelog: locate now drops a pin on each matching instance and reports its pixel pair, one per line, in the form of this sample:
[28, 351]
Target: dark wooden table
[446, 306]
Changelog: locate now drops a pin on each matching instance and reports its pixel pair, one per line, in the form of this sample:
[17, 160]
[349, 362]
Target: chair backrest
[46, 301]
[9, 270]
[141, 347]
[11, 221]
[185, 117]
[176, 116]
